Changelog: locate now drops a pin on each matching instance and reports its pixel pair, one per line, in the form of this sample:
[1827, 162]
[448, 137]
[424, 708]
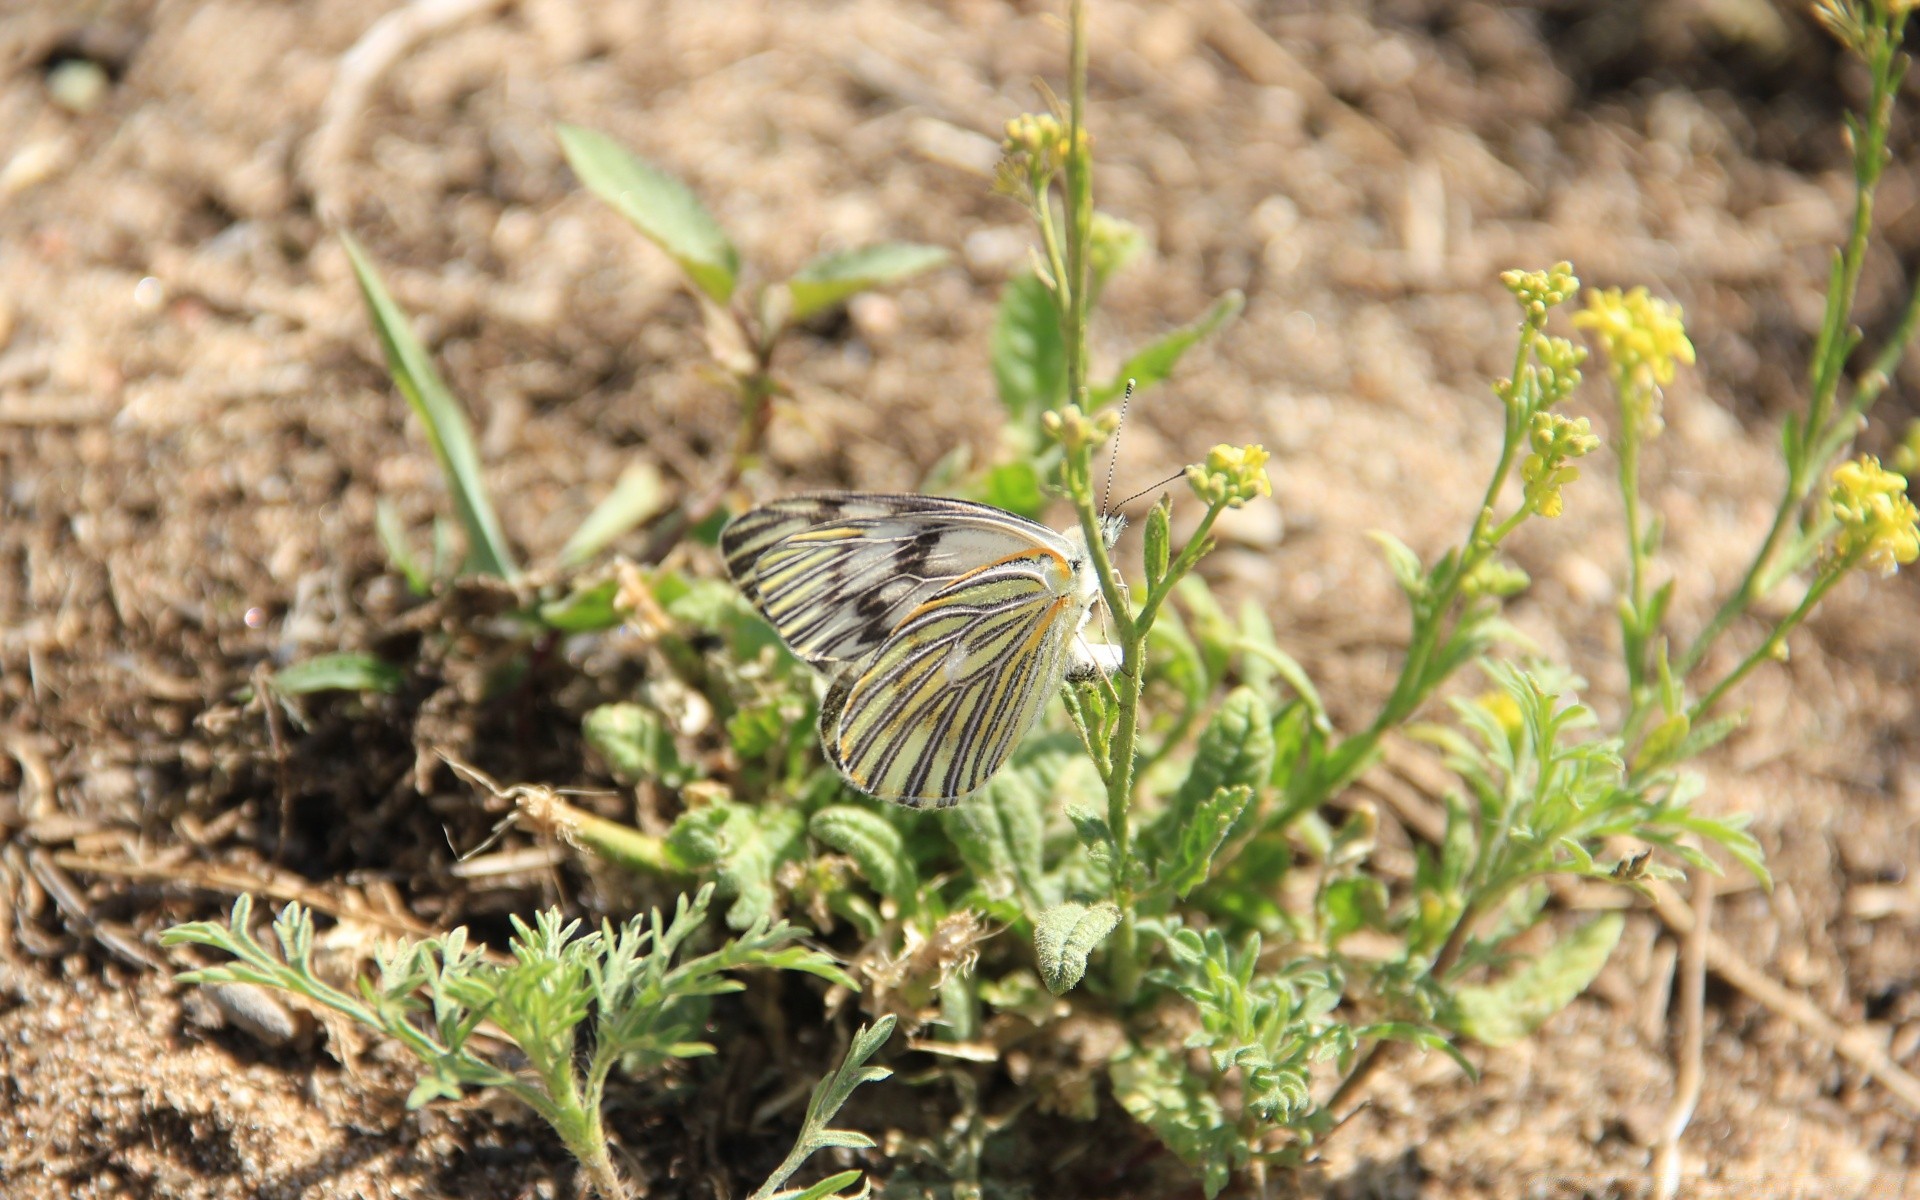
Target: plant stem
[1822, 436]
[1079, 181]
[1770, 648]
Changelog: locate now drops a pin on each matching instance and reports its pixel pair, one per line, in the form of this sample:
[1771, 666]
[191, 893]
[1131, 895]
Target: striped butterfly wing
[836, 573]
[942, 703]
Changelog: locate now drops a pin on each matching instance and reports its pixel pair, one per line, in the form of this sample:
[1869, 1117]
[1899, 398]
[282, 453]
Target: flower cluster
[1538, 291]
[1074, 430]
[1645, 340]
[1036, 147]
[1231, 476]
[1556, 441]
[1879, 526]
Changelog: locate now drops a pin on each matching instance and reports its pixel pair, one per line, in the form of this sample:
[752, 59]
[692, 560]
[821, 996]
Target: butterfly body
[943, 627]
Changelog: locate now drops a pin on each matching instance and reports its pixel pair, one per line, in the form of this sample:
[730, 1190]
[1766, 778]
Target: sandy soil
[194, 429]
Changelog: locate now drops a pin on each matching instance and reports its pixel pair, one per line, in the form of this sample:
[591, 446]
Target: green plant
[572, 1007]
[743, 331]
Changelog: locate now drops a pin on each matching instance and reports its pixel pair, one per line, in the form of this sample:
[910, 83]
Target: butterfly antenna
[1113, 458]
[1164, 482]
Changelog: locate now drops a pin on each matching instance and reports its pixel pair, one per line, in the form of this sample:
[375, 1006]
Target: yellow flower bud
[1231, 476]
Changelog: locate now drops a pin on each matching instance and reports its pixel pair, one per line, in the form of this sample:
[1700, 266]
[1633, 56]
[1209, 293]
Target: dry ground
[194, 430]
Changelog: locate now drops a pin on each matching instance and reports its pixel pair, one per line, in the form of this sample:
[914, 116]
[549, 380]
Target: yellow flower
[1645, 338]
[1879, 526]
[1231, 476]
[1039, 142]
[1504, 710]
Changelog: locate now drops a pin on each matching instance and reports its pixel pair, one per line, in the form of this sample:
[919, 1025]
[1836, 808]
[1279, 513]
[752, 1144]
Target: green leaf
[828, 1187]
[1352, 904]
[440, 415]
[1157, 359]
[585, 610]
[875, 847]
[1200, 837]
[830, 1095]
[746, 845]
[1159, 537]
[338, 673]
[662, 208]
[1063, 937]
[638, 495]
[393, 539]
[831, 278]
[636, 743]
[1014, 486]
[1029, 357]
[1404, 563]
[1234, 750]
[1000, 833]
[1505, 1012]
[1158, 1091]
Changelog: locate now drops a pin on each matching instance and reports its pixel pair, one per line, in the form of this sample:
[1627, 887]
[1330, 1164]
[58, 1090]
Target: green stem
[1770, 648]
[1079, 181]
[1822, 436]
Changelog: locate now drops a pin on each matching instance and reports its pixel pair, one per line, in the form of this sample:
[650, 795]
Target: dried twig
[234, 883]
[1686, 1083]
[1857, 1044]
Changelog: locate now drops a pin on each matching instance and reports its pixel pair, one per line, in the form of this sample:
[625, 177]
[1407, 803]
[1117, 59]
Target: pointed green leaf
[440, 416]
[1159, 537]
[1157, 359]
[832, 278]
[1508, 1010]
[1404, 563]
[662, 208]
[1065, 935]
[638, 495]
[1234, 750]
[393, 539]
[1200, 837]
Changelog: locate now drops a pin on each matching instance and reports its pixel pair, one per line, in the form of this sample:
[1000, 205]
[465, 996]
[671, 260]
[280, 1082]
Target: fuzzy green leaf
[440, 416]
[338, 673]
[1029, 357]
[832, 278]
[1158, 1091]
[1199, 837]
[745, 845]
[1510, 1009]
[639, 494]
[874, 845]
[1235, 750]
[1159, 537]
[1000, 833]
[636, 743]
[1065, 935]
[1156, 360]
[662, 208]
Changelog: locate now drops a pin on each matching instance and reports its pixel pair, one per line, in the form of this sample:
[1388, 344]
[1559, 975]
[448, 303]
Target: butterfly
[943, 627]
